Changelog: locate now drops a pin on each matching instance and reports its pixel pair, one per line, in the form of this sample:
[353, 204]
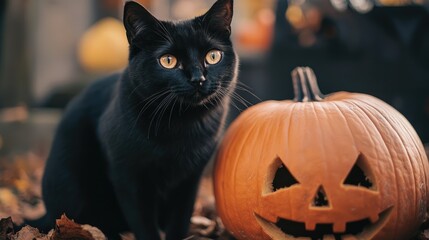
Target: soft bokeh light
[104, 47]
[362, 6]
[396, 2]
[295, 16]
[340, 5]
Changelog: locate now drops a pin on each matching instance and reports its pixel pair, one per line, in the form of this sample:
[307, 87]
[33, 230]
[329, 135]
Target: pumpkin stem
[305, 85]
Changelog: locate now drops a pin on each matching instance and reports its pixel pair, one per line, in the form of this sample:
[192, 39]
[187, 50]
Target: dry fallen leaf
[6, 228]
[95, 232]
[127, 236]
[27, 233]
[68, 229]
[208, 226]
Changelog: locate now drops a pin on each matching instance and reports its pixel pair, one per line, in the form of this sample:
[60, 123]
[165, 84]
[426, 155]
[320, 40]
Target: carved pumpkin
[342, 166]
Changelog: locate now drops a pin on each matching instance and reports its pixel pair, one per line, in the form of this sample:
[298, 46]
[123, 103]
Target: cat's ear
[136, 19]
[219, 17]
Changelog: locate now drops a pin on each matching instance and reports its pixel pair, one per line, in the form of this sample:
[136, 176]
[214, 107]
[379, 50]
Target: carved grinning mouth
[288, 229]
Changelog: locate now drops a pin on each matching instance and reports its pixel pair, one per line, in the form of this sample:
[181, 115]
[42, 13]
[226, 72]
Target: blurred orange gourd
[104, 47]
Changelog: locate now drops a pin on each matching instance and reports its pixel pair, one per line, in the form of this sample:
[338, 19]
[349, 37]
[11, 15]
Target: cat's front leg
[137, 200]
[182, 196]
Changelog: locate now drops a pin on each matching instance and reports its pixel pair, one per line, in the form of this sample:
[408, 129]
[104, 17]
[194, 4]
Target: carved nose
[320, 199]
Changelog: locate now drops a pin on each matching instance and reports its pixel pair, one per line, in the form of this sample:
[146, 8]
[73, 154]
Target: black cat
[129, 151]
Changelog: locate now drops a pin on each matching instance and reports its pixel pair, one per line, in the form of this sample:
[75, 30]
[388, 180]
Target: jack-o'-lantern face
[343, 166]
[339, 206]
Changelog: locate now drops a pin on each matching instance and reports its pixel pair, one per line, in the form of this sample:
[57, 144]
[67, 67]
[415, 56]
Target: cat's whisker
[170, 105]
[137, 103]
[151, 99]
[223, 93]
[187, 107]
[245, 88]
[146, 101]
[204, 104]
[234, 101]
[155, 112]
[155, 95]
[151, 121]
[241, 99]
[217, 99]
[180, 105]
[135, 89]
[171, 112]
[248, 91]
[160, 110]
[169, 99]
[211, 99]
[242, 84]
[236, 107]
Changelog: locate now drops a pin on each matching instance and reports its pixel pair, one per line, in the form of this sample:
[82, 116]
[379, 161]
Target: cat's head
[192, 61]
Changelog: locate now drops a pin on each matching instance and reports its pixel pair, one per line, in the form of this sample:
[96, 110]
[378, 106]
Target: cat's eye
[213, 56]
[168, 61]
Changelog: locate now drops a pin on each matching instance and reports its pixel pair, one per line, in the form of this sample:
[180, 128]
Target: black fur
[130, 149]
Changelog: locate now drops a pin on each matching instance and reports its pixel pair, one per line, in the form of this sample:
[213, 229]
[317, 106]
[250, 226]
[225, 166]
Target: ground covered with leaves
[20, 197]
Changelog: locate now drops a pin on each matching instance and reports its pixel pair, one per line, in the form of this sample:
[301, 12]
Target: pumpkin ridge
[373, 118]
[221, 167]
[290, 126]
[263, 152]
[344, 105]
[410, 131]
[243, 142]
[368, 111]
[410, 159]
[421, 163]
[278, 126]
[423, 157]
[320, 136]
[340, 111]
[289, 112]
[363, 125]
[250, 130]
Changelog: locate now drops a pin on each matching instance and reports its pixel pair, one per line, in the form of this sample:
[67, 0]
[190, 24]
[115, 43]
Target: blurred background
[51, 49]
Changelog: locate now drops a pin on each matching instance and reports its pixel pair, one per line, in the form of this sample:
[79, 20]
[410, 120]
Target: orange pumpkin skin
[319, 142]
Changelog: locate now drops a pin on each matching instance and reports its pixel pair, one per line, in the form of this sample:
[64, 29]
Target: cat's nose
[197, 80]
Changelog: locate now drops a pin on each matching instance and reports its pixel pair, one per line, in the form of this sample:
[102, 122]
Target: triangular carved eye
[282, 177]
[360, 175]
